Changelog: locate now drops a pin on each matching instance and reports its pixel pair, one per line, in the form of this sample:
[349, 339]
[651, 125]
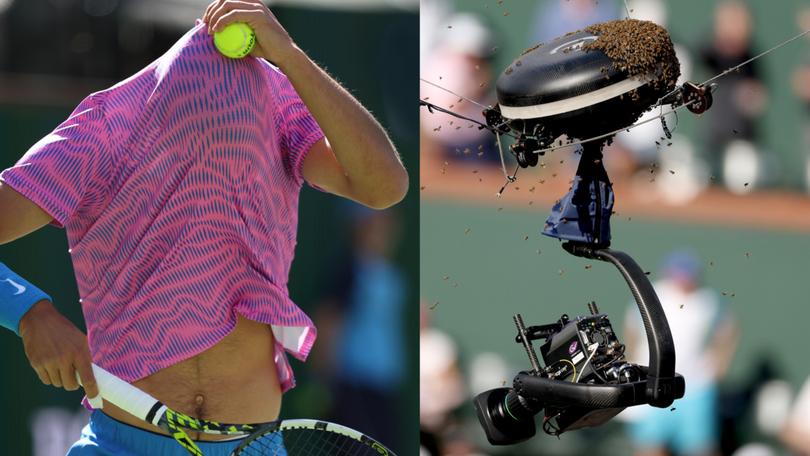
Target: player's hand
[57, 349]
[272, 41]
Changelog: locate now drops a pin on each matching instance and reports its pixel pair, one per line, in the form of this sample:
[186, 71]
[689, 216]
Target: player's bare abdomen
[234, 381]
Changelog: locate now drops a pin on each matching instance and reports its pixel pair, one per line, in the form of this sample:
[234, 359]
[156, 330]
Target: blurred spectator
[739, 103]
[556, 18]
[441, 392]
[644, 142]
[432, 14]
[759, 397]
[705, 337]
[647, 145]
[755, 449]
[461, 63]
[796, 431]
[360, 321]
[801, 87]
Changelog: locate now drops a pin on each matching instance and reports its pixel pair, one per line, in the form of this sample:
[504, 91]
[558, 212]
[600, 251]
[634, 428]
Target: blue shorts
[691, 428]
[105, 436]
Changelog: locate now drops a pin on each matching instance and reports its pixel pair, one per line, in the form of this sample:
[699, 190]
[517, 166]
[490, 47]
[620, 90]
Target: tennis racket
[276, 438]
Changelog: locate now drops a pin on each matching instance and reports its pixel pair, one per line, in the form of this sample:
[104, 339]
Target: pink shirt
[178, 188]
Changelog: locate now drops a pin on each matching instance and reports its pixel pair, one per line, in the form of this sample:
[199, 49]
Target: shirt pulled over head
[178, 188]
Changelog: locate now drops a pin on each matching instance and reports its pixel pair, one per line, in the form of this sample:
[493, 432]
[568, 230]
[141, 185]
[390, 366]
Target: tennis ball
[236, 40]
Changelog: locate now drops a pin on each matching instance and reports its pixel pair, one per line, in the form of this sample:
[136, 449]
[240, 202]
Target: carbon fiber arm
[661, 379]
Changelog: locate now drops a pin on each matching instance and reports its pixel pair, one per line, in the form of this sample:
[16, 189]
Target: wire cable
[454, 93]
[588, 362]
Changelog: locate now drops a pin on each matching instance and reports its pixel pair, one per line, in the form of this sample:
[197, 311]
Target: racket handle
[122, 394]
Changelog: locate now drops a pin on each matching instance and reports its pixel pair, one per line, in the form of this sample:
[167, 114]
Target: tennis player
[178, 189]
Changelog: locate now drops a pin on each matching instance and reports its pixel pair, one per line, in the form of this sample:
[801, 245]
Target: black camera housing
[599, 382]
[570, 347]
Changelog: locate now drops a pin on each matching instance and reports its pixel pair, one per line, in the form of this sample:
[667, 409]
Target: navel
[199, 409]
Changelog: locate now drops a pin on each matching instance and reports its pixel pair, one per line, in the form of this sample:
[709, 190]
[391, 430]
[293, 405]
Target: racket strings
[307, 442]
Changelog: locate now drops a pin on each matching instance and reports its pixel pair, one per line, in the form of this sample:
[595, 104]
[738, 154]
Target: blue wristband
[17, 296]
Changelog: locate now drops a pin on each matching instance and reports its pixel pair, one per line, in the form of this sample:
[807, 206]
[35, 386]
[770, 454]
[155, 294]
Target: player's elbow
[391, 191]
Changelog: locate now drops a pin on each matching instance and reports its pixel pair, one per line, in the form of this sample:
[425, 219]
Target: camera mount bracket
[507, 414]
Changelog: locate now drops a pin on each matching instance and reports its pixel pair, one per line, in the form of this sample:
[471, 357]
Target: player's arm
[358, 161]
[55, 347]
[20, 215]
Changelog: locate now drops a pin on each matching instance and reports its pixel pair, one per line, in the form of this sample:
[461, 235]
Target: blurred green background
[475, 282]
[499, 274]
[483, 261]
[89, 46]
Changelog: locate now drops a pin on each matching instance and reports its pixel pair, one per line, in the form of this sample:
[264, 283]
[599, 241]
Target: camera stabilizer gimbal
[586, 380]
[557, 89]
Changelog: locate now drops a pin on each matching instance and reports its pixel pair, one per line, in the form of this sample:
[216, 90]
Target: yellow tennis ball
[236, 40]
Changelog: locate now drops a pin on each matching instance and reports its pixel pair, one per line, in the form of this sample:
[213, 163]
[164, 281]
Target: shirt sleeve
[66, 171]
[298, 129]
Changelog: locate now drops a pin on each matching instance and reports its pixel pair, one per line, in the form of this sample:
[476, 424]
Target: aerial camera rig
[562, 88]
